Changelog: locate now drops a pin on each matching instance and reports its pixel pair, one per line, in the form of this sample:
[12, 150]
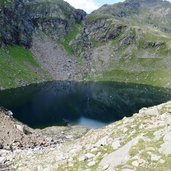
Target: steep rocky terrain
[55, 18]
[154, 13]
[20, 18]
[141, 142]
[18, 66]
[129, 42]
[25, 25]
[15, 23]
[125, 42]
[56, 23]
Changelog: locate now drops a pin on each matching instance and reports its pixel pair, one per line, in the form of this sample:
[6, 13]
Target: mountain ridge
[138, 42]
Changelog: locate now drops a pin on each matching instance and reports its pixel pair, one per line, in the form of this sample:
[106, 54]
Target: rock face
[55, 18]
[15, 23]
[19, 19]
[141, 142]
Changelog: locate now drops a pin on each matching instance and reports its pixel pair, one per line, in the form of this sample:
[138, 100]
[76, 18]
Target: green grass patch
[71, 35]
[94, 18]
[22, 55]
[160, 78]
[18, 67]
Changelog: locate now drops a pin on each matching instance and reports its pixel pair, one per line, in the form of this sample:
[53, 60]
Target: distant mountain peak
[150, 13]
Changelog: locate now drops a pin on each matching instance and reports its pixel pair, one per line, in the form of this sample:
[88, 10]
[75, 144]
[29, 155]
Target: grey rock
[91, 163]
[119, 156]
[155, 157]
[1, 146]
[2, 160]
[135, 163]
[17, 29]
[116, 144]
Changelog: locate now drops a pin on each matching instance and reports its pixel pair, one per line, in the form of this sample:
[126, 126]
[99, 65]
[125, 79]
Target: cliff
[15, 23]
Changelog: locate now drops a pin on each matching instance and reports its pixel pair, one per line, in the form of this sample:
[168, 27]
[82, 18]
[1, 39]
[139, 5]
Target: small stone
[152, 111]
[158, 134]
[101, 142]
[162, 161]
[39, 168]
[155, 158]
[93, 149]
[165, 148]
[9, 113]
[82, 158]
[143, 110]
[125, 130]
[127, 170]
[98, 154]
[163, 117]
[141, 126]
[89, 155]
[116, 144]
[125, 120]
[70, 159]
[135, 158]
[20, 128]
[133, 126]
[133, 132]
[1, 146]
[93, 70]
[141, 161]
[2, 160]
[70, 164]
[69, 136]
[91, 163]
[135, 163]
[105, 167]
[86, 156]
[167, 137]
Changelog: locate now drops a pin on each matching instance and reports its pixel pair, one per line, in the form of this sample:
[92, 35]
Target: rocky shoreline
[141, 142]
[15, 137]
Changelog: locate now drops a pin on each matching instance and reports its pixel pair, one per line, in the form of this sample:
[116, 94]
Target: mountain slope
[18, 67]
[141, 142]
[56, 18]
[21, 23]
[15, 23]
[153, 13]
[56, 24]
[124, 42]
[126, 45]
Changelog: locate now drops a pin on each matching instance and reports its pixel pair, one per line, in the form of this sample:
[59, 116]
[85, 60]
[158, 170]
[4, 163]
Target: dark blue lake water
[92, 104]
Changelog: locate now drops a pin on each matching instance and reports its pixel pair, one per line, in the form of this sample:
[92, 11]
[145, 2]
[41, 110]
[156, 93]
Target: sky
[90, 5]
